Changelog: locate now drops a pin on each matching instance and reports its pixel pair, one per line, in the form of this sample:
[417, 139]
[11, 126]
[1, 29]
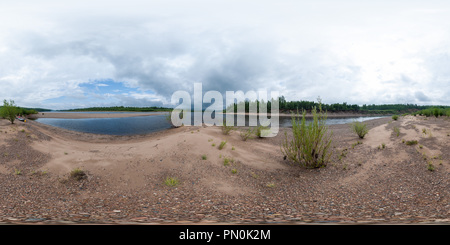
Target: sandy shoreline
[125, 176]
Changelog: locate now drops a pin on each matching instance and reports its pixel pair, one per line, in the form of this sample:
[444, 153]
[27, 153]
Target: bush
[9, 110]
[435, 111]
[359, 128]
[310, 144]
[411, 142]
[395, 117]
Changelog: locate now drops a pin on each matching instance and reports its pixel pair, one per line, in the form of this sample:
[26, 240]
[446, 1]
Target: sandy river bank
[362, 183]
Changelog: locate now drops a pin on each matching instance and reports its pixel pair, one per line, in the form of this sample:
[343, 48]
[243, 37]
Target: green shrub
[411, 142]
[359, 128]
[204, 157]
[310, 144]
[395, 117]
[9, 110]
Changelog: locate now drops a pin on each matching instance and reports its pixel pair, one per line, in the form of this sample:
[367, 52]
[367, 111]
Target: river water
[147, 124]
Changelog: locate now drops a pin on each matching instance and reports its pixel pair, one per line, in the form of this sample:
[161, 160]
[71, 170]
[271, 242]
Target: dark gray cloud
[421, 97]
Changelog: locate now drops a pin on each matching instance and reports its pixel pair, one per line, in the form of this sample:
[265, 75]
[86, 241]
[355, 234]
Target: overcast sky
[70, 54]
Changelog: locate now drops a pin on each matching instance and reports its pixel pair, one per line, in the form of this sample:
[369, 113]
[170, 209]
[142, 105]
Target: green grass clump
[247, 134]
[355, 144]
[359, 128]
[222, 145]
[227, 161]
[397, 131]
[77, 174]
[234, 171]
[411, 142]
[395, 117]
[226, 130]
[270, 184]
[204, 157]
[261, 131]
[171, 181]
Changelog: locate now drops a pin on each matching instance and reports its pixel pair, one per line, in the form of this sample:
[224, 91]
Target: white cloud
[352, 51]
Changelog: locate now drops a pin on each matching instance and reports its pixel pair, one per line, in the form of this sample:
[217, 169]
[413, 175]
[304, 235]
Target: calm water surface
[146, 124]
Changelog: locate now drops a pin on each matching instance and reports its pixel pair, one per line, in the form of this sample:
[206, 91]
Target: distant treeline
[123, 108]
[27, 111]
[434, 111]
[293, 106]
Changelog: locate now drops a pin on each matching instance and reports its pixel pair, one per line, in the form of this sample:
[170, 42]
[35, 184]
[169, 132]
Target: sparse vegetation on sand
[355, 144]
[397, 131]
[227, 161]
[411, 142]
[359, 128]
[246, 134]
[261, 131]
[310, 143]
[382, 146]
[226, 130]
[77, 174]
